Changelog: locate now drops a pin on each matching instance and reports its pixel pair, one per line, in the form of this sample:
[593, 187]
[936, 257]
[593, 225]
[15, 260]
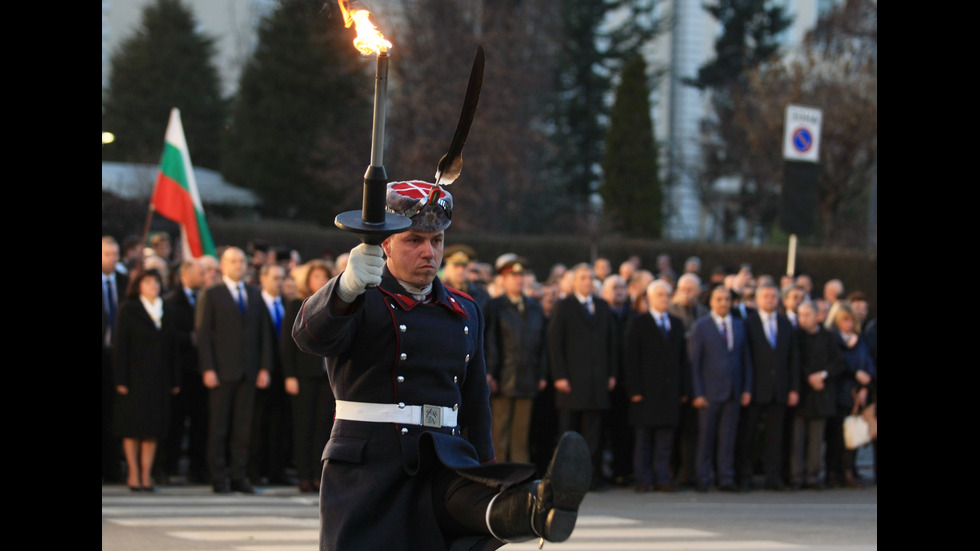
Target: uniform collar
[390, 287]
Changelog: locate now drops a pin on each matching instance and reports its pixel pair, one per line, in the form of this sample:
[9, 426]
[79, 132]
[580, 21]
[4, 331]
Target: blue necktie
[277, 315]
[241, 297]
[110, 296]
[772, 330]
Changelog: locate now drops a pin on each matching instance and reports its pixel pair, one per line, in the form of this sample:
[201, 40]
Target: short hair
[612, 279]
[766, 285]
[270, 266]
[689, 277]
[790, 288]
[582, 266]
[660, 283]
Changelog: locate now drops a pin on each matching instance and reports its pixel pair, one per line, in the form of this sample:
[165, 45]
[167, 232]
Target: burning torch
[372, 223]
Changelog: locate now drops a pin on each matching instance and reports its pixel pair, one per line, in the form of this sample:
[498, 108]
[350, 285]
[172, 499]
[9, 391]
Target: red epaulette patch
[456, 291]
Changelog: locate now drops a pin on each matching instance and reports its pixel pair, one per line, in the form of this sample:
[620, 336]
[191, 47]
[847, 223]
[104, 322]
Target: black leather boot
[546, 508]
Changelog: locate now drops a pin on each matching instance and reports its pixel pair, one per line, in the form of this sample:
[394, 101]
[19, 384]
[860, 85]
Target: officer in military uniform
[410, 462]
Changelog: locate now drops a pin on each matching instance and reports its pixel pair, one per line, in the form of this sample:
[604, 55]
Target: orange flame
[369, 39]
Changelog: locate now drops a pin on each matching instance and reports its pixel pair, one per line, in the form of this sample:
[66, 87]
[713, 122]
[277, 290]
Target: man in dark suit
[270, 445]
[235, 353]
[654, 369]
[721, 379]
[582, 347]
[687, 305]
[114, 285]
[190, 406]
[618, 435]
[776, 386]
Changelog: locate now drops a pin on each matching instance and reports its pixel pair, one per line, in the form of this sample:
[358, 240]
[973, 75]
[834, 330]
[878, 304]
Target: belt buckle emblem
[431, 416]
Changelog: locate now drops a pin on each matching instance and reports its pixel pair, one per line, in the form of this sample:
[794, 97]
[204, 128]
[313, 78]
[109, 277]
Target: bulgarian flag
[175, 194]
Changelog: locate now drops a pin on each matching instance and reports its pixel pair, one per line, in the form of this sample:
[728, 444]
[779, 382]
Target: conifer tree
[166, 63]
[301, 123]
[631, 190]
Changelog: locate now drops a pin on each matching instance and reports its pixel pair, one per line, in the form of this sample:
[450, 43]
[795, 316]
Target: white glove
[364, 268]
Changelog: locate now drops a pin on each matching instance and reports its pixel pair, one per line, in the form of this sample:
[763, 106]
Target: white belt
[427, 416]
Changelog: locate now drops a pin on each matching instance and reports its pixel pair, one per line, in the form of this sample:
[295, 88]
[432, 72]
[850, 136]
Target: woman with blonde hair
[852, 390]
[306, 382]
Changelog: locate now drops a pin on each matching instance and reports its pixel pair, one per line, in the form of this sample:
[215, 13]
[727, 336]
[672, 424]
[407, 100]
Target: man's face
[414, 256]
[513, 283]
[793, 299]
[767, 298]
[721, 302]
[659, 298]
[860, 309]
[272, 280]
[602, 268]
[194, 276]
[233, 264]
[110, 256]
[806, 317]
[456, 274]
[582, 282]
[688, 289]
[615, 292]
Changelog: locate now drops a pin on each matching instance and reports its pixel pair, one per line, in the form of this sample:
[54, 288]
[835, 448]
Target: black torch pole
[373, 224]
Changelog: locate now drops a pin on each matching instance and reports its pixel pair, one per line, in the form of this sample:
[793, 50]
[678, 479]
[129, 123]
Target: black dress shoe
[135, 489]
[666, 488]
[701, 487]
[729, 488]
[242, 486]
[562, 489]
[222, 487]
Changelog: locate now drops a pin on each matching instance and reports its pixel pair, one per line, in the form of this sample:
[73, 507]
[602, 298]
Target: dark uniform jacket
[376, 491]
[516, 354]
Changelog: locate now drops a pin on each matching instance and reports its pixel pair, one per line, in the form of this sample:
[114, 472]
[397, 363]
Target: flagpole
[146, 225]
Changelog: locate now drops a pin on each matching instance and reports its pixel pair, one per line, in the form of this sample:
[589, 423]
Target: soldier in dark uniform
[410, 461]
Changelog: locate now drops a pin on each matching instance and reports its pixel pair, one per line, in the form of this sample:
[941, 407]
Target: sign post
[801, 153]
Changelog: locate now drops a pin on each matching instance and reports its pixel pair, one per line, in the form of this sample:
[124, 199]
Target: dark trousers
[270, 446]
[620, 435]
[588, 423]
[652, 449]
[230, 407]
[717, 427]
[313, 411]
[686, 445]
[807, 449]
[772, 416]
[188, 420]
[111, 445]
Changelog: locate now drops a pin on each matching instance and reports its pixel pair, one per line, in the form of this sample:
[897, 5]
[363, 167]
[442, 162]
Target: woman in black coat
[144, 375]
[852, 391]
[306, 381]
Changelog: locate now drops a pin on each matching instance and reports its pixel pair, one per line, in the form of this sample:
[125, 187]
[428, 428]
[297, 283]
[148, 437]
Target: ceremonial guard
[410, 461]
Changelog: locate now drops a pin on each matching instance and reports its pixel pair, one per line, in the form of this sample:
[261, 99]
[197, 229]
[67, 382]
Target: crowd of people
[726, 380]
